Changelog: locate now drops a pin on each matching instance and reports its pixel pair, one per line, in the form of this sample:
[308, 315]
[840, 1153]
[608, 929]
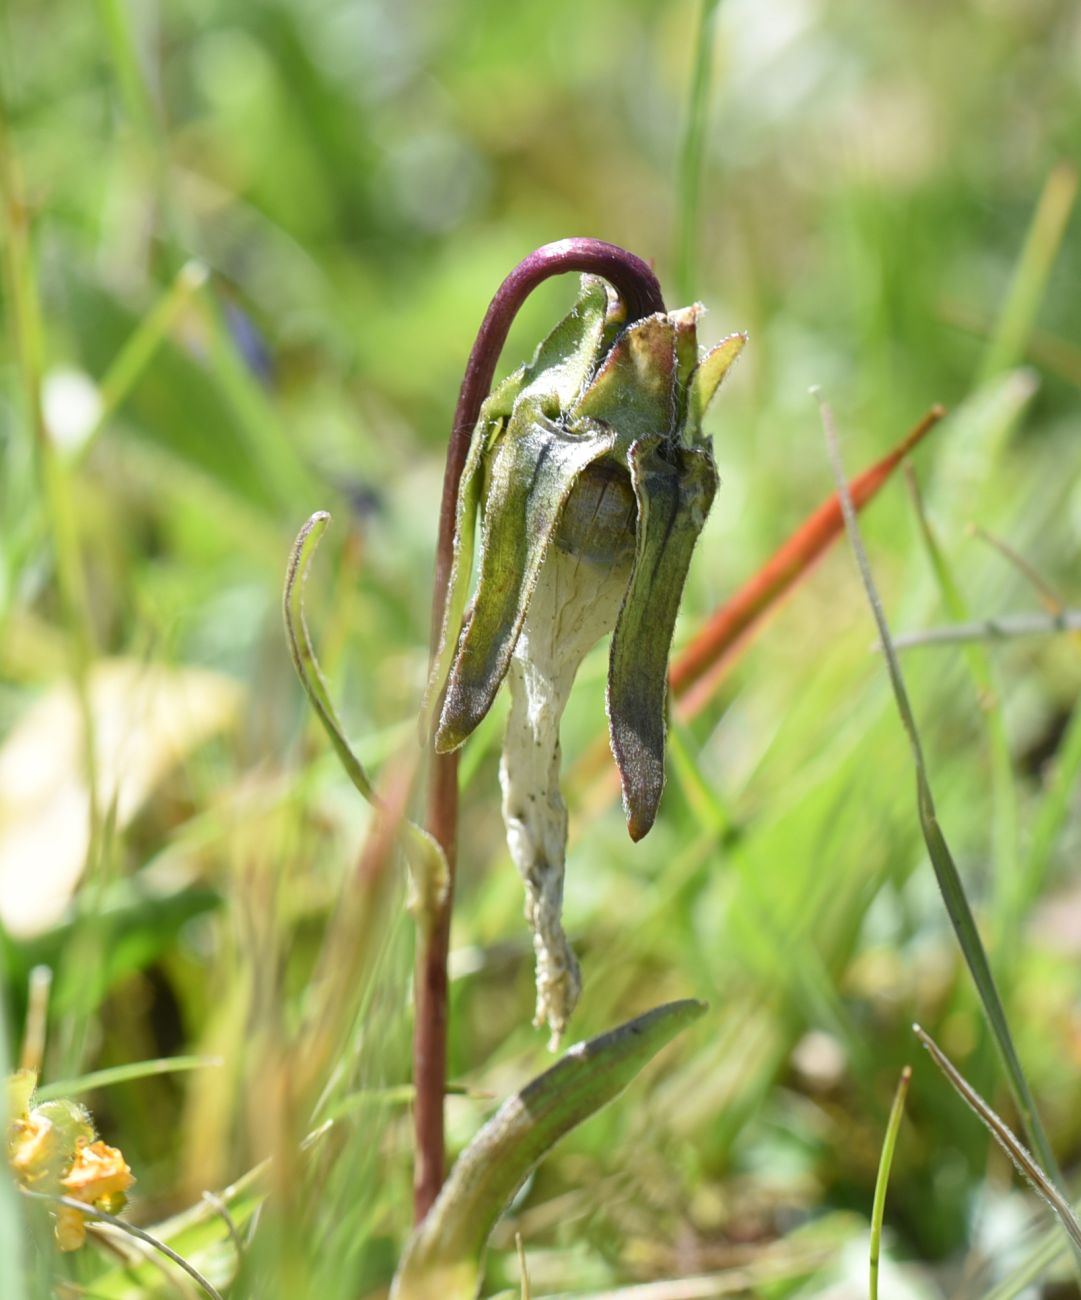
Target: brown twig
[640, 291]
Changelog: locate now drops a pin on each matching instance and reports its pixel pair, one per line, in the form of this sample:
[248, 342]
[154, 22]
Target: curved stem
[640, 291]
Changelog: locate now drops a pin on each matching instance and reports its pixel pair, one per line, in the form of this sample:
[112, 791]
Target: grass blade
[949, 880]
[139, 348]
[444, 1256]
[303, 652]
[691, 153]
[1006, 1139]
[123, 1074]
[989, 694]
[889, 1142]
[427, 863]
[1031, 274]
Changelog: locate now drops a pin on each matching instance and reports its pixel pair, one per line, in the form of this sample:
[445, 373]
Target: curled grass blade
[428, 865]
[303, 652]
[885, 1162]
[946, 873]
[1007, 1140]
[444, 1256]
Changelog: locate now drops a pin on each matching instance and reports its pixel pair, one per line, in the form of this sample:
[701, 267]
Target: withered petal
[533, 471]
[674, 487]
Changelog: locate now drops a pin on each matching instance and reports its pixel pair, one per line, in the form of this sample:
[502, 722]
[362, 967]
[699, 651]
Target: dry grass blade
[1005, 1137]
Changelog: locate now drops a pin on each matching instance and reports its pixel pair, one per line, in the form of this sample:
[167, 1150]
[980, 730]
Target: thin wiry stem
[72, 1204]
[1006, 1139]
[1003, 628]
[640, 291]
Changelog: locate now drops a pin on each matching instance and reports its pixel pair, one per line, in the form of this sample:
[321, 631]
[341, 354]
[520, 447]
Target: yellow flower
[53, 1149]
[99, 1176]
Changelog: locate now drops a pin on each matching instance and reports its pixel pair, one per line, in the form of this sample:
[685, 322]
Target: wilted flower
[593, 479]
[99, 1176]
[52, 1148]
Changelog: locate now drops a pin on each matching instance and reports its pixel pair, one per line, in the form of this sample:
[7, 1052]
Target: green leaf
[444, 1257]
[675, 488]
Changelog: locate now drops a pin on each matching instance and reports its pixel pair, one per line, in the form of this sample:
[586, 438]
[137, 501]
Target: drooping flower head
[591, 478]
[594, 445]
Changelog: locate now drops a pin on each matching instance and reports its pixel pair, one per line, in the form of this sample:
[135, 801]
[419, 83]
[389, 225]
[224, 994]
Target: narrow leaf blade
[444, 1256]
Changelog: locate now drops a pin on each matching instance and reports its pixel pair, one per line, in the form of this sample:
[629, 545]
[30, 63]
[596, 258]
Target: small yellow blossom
[53, 1148]
[99, 1177]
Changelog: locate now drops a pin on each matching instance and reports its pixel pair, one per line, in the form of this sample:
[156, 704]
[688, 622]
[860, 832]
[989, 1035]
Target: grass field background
[246, 247]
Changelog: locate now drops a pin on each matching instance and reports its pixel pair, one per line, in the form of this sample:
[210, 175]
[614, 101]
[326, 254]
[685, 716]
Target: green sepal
[685, 324]
[634, 389]
[533, 471]
[708, 375]
[674, 488]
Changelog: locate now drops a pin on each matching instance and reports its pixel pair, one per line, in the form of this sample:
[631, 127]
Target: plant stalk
[640, 291]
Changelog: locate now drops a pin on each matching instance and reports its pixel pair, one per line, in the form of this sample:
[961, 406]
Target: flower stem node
[591, 480]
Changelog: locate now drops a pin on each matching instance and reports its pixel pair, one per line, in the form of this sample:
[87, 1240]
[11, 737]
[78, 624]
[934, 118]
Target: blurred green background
[246, 247]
